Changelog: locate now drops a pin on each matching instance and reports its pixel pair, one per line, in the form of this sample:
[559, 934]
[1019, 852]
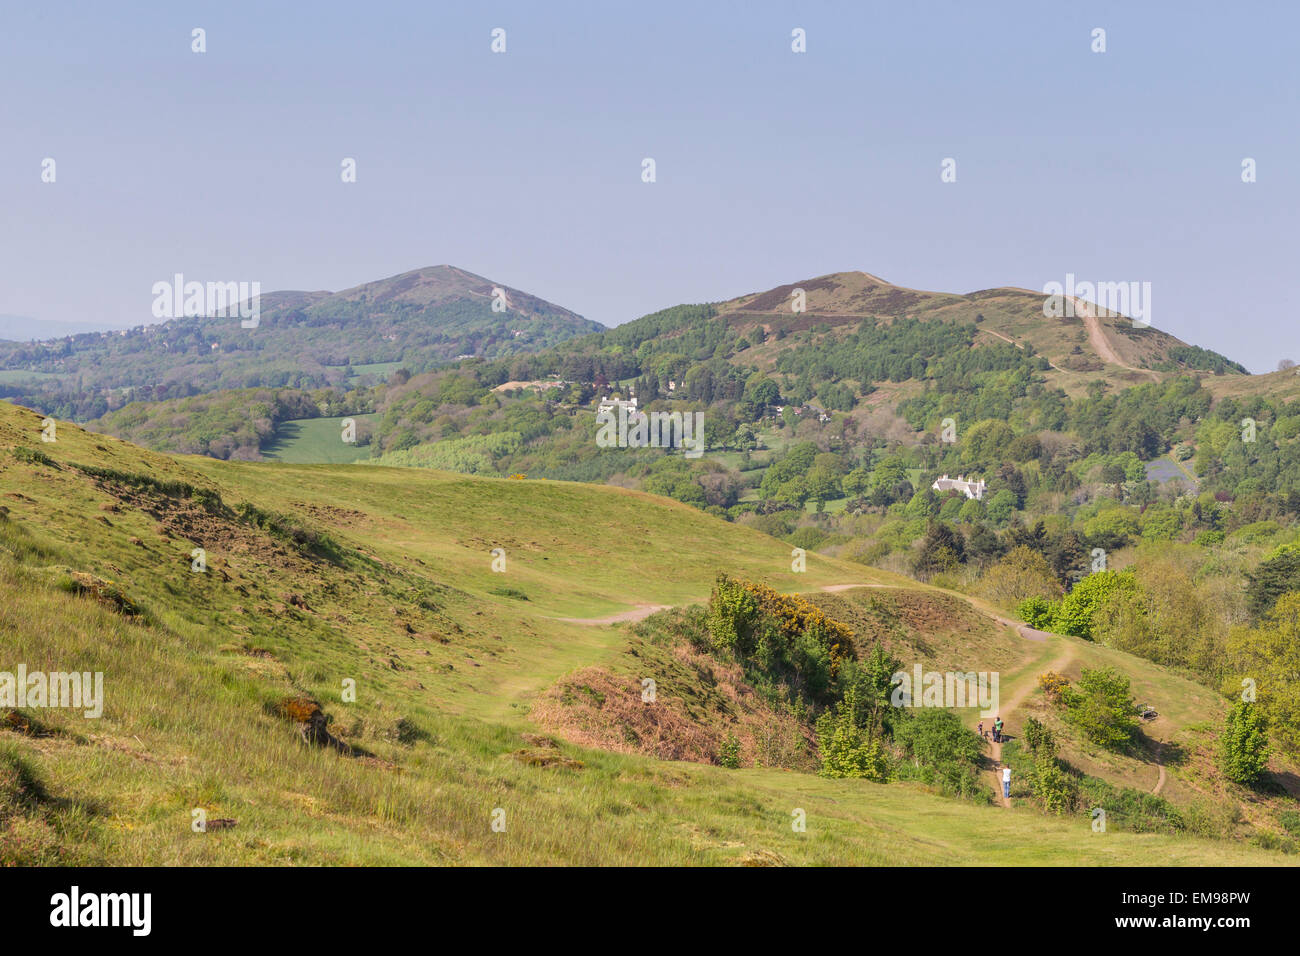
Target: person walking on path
[1006, 782]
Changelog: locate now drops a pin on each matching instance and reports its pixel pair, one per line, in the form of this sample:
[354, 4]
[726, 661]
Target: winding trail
[1010, 341]
[1100, 344]
[638, 613]
[1005, 707]
[1057, 664]
[1160, 763]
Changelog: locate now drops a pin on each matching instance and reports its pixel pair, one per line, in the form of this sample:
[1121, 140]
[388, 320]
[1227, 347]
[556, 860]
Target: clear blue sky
[772, 166]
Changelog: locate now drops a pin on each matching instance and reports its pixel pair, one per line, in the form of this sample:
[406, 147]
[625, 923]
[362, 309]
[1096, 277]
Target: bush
[1053, 785]
[1038, 738]
[1037, 612]
[1054, 686]
[1076, 613]
[1244, 749]
[729, 752]
[1102, 708]
[1131, 809]
[847, 749]
[944, 752]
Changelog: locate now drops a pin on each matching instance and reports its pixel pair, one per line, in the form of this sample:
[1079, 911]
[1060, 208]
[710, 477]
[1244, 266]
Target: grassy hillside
[320, 574]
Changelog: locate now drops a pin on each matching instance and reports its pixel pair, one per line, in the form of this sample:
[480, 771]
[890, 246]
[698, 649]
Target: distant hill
[1090, 341]
[23, 328]
[418, 320]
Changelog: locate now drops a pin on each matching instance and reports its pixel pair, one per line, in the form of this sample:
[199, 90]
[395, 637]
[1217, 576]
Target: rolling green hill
[225, 688]
[419, 319]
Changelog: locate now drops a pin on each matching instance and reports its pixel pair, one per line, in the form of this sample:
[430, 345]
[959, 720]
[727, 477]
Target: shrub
[1244, 749]
[1076, 613]
[1131, 809]
[846, 748]
[944, 752]
[1037, 612]
[1038, 738]
[729, 752]
[1053, 785]
[1102, 708]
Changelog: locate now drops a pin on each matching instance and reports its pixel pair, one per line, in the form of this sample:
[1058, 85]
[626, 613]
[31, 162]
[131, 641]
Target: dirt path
[1024, 630]
[1057, 664]
[1010, 341]
[1100, 344]
[1160, 764]
[638, 613]
[1006, 707]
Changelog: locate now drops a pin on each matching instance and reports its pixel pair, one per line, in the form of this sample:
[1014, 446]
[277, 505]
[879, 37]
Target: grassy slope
[407, 609]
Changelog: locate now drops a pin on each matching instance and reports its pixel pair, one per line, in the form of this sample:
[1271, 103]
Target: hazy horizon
[771, 166]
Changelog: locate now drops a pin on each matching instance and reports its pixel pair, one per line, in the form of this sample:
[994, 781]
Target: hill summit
[1088, 339]
[417, 319]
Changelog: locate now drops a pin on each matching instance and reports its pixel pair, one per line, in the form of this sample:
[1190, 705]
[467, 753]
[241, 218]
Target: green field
[13, 376]
[378, 369]
[321, 574]
[310, 441]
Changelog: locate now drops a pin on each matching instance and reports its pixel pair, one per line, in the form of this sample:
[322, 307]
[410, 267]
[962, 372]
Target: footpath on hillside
[1006, 708]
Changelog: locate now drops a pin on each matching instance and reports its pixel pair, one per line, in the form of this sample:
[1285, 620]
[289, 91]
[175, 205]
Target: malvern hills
[497, 641]
[428, 317]
[304, 339]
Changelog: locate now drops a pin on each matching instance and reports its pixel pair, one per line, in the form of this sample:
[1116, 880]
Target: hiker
[981, 729]
[1006, 782]
[997, 731]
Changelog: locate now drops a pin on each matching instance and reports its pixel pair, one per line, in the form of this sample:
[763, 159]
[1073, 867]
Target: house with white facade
[611, 404]
[971, 489]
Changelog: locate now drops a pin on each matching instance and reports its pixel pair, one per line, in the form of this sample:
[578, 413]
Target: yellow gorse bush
[794, 615]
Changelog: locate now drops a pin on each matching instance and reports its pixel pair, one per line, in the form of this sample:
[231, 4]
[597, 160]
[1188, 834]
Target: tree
[1102, 708]
[942, 747]
[1277, 574]
[972, 510]
[823, 484]
[1077, 612]
[762, 391]
[942, 550]
[1244, 749]
[1021, 574]
[856, 482]
[847, 748]
[1114, 474]
[1269, 656]
[1001, 507]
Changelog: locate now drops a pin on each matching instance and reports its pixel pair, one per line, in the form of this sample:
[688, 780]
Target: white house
[971, 489]
[612, 403]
